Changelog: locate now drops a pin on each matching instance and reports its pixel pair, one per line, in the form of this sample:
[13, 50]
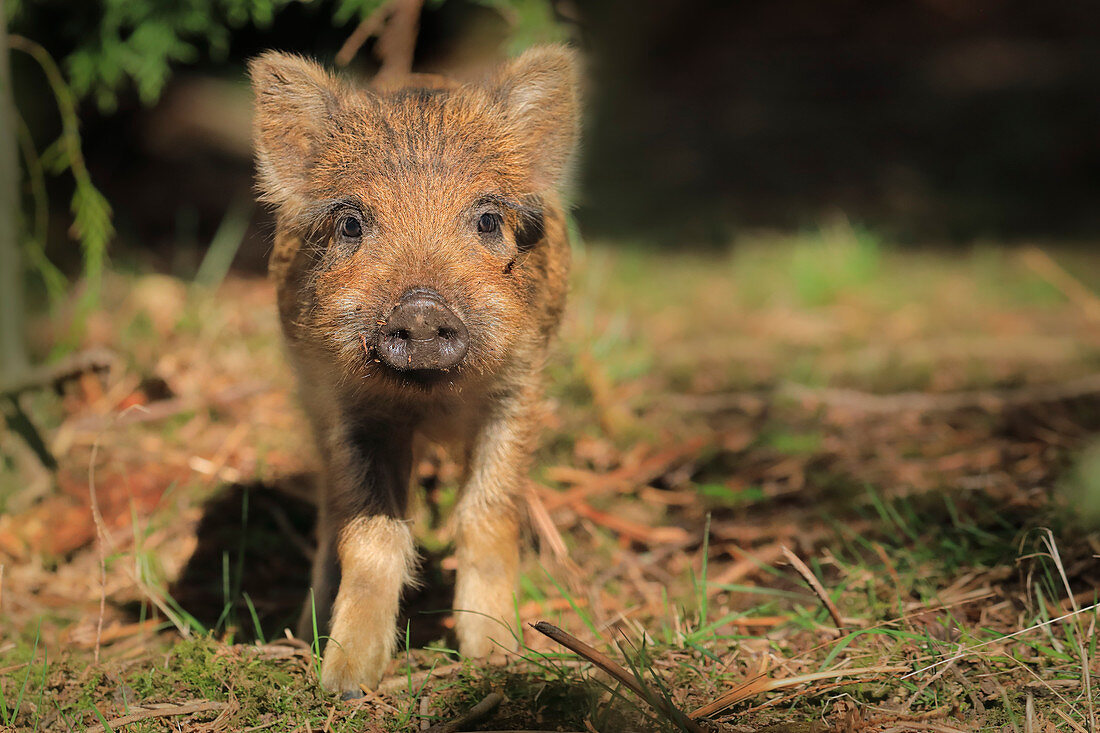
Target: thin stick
[471, 716]
[1045, 267]
[819, 589]
[758, 684]
[91, 360]
[101, 539]
[187, 708]
[1072, 723]
[605, 663]
[547, 530]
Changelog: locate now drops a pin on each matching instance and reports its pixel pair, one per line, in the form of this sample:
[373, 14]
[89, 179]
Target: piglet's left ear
[540, 99]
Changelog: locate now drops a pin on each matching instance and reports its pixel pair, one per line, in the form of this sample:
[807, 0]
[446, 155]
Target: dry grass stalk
[632, 530]
[819, 589]
[624, 527]
[744, 567]
[1086, 662]
[1077, 727]
[760, 684]
[627, 477]
[544, 525]
[161, 711]
[1045, 267]
[971, 649]
[609, 666]
[101, 539]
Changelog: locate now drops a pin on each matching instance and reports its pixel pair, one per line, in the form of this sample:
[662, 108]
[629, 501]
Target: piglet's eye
[488, 224]
[350, 227]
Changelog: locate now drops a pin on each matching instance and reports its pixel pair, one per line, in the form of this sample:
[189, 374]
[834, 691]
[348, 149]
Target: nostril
[446, 333]
[402, 334]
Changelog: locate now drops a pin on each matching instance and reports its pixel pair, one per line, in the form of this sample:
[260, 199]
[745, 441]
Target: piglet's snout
[422, 332]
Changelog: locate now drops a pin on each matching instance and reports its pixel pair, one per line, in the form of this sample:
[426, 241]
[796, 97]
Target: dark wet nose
[422, 333]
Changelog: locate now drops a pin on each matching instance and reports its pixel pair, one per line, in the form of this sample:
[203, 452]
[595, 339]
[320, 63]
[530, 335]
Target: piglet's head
[419, 213]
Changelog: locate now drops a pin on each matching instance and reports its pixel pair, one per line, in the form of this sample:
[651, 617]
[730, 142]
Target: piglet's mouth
[425, 378]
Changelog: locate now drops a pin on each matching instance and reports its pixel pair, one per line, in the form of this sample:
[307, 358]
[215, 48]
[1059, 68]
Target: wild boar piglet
[420, 261]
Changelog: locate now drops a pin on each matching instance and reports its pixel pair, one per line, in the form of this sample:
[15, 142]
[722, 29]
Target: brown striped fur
[418, 164]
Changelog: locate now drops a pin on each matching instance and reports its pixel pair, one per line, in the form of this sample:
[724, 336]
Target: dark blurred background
[934, 121]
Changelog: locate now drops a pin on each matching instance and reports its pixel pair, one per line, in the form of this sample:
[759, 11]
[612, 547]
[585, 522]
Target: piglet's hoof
[351, 694]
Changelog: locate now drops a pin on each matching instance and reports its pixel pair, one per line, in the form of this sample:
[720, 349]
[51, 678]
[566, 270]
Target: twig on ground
[548, 531]
[924, 685]
[991, 400]
[759, 683]
[924, 726]
[101, 551]
[52, 375]
[744, 567]
[609, 666]
[162, 711]
[627, 477]
[976, 701]
[474, 714]
[1077, 727]
[163, 409]
[819, 589]
[631, 530]
[1045, 267]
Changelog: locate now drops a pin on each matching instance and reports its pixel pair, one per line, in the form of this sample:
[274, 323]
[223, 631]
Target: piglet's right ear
[296, 101]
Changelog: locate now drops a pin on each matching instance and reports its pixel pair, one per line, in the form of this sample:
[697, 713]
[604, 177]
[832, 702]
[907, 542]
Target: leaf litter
[913, 470]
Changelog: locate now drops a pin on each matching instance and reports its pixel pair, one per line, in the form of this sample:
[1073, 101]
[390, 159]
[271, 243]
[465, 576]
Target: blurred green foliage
[90, 210]
[121, 42]
[111, 44]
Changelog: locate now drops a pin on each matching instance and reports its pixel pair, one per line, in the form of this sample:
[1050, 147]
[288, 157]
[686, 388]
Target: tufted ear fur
[539, 96]
[296, 102]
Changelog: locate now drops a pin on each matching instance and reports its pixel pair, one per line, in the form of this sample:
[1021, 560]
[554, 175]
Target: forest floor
[911, 427]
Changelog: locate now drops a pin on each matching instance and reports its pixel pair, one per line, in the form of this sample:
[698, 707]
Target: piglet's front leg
[487, 534]
[376, 556]
[374, 546]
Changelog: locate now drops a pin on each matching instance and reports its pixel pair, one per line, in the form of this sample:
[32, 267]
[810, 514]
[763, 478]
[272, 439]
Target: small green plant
[836, 259]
